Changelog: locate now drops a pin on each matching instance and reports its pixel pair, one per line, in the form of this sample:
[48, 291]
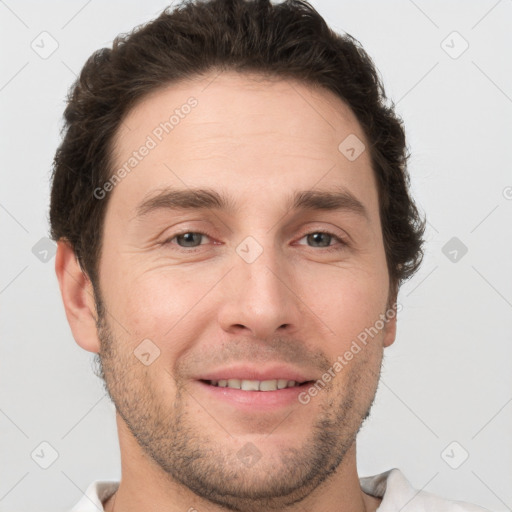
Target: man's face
[255, 292]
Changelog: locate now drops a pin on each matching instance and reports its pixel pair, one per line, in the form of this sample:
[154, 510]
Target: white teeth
[281, 383]
[250, 385]
[268, 385]
[234, 383]
[255, 385]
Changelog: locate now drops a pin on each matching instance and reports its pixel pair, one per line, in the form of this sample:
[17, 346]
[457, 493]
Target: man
[231, 206]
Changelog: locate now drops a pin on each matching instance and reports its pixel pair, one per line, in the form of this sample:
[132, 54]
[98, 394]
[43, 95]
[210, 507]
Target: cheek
[347, 301]
[154, 304]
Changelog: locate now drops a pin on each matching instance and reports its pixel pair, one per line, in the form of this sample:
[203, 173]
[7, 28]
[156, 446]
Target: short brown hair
[289, 40]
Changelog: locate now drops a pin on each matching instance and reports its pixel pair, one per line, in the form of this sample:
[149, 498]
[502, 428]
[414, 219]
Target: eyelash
[342, 243]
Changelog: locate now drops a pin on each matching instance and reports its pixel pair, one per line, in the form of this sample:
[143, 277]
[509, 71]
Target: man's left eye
[317, 236]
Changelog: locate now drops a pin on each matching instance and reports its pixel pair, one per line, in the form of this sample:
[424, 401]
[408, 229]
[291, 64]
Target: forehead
[242, 133]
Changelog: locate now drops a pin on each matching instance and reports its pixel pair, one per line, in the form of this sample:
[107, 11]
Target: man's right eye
[186, 237]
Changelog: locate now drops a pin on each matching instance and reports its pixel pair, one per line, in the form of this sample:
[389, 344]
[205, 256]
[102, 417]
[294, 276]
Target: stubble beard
[186, 453]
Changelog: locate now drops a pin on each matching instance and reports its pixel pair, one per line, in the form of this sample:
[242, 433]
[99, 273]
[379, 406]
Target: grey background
[446, 379]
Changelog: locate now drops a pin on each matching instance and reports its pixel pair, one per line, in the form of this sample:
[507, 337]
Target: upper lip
[247, 372]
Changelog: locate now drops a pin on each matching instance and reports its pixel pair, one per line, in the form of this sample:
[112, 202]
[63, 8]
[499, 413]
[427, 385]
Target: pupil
[189, 237]
[316, 235]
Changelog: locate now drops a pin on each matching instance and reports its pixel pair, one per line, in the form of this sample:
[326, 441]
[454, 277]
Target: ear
[390, 331]
[390, 327]
[78, 297]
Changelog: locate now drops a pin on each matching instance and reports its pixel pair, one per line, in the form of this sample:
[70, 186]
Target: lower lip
[256, 400]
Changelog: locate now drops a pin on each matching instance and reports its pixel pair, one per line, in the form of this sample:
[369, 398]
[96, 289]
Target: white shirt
[396, 492]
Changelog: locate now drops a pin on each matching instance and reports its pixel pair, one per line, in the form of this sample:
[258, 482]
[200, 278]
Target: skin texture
[297, 303]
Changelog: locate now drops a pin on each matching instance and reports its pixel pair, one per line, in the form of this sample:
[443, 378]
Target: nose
[260, 298]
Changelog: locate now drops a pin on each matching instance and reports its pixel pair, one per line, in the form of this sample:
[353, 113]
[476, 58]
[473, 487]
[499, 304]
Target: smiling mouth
[256, 385]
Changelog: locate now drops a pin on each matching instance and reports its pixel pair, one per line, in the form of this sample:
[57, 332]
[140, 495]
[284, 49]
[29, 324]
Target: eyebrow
[207, 198]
